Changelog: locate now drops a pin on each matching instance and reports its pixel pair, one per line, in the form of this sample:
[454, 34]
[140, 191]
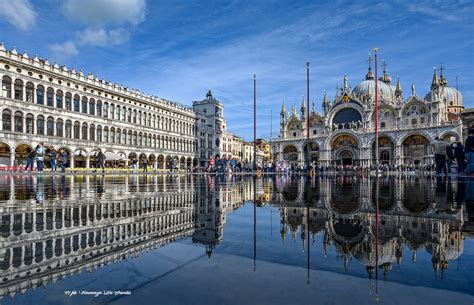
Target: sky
[179, 49]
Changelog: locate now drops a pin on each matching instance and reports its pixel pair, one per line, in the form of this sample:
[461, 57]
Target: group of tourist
[446, 155]
[38, 155]
[224, 165]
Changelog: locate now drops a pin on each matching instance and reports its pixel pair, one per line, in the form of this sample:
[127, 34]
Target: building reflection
[56, 226]
[418, 213]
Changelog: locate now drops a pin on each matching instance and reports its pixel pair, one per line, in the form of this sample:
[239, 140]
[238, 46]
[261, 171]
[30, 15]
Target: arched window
[99, 133]
[84, 131]
[139, 118]
[18, 88]
[92, 132]
[140, 139]
[7, 120]
[50, 126]
[84, 105]
[29, 123]
[129, 141]
[99, 108]
[40, 125]
[18, 121]
[68, 101]
[7, 87]
[149, 120]
[117, 116]
[382, 125]
[135, 138]
[59, 128]
[106, 134]
[106, 110]
[413, 121]
[92, 106]
[124, 113]
[40, 95]
[112, 135]
[134, 118]
[76, 103]
[119, 135]
[129, 115]
[49, 97]
[77, 130]
[112, 111]
[30, 89]
[59, 99]
[68, 129]
[124, 137]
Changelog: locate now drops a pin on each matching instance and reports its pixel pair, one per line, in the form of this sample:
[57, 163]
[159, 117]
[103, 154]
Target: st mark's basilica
[344, 133]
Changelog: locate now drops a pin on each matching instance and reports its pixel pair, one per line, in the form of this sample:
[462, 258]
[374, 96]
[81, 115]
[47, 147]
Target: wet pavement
[235, 240]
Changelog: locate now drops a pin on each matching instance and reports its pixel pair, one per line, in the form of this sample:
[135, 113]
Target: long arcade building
[64, 108]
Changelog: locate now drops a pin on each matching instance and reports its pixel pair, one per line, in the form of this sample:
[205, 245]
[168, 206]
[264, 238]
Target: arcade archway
[344, 150]
[416, 150]
[290, 153]
[386, 151]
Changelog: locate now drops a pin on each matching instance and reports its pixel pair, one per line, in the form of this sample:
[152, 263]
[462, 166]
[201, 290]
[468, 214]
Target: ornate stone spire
[413, 92]
[303, 109]
[434, 82]
[283, 108]
[442, 79]
[398, 89]
[346, 86]
[325, 103]
[369, 75]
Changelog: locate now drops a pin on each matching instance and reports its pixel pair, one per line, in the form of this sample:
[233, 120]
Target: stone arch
[450, 136]
[416, 149]
[387, 149]
[290, 153]
[21, 153]
[151, 159]
[334, 111]
[80, 157]
[345, 149]
[182, 163]
[161, 161]
[5, 151]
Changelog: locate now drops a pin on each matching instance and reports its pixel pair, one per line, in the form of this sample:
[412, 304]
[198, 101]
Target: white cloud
[103, 12]
[102, 37]
[19, 13]
[63, 50]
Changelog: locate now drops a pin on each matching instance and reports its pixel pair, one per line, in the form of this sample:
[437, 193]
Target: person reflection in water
[40, 189]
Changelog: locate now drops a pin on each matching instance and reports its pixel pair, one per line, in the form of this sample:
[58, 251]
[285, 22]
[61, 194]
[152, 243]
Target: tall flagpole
[376, 179]
[308, 151]
[254, 122]
[376, 112]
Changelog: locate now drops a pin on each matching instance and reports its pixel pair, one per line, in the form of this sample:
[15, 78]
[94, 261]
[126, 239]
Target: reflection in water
[54, 227]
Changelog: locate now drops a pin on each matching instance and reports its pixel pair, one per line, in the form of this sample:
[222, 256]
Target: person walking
[440, 150]
[469, 152]
[100, 160]
[52, 159]
[30, 159]
[459, 156]
[40, 153]
[63, 159]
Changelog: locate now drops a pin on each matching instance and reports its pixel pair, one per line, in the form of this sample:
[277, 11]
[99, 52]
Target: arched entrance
[346, 157]
[68, 153]
[132, 156]
[80, 158]
[21, 153]
[313, 152]
[182, 163]
[161, 161]
[290, 153]
[344, 150]
[4, 154]
[151, 160]
[189, 163]
[416, 150]
[385, 152]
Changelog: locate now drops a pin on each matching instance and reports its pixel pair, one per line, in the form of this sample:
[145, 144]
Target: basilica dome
[452, 95]
[366, 90]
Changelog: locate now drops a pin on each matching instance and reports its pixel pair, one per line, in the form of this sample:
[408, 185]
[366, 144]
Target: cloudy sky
[179, 49]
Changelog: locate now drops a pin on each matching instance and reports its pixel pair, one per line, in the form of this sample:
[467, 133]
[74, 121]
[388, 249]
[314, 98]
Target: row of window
[90, 106]
[89, 132]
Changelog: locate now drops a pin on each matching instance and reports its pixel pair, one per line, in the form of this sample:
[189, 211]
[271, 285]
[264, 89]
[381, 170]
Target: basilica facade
[344, 133]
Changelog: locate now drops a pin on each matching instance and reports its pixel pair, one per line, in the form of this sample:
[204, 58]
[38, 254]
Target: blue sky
[179, 49]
